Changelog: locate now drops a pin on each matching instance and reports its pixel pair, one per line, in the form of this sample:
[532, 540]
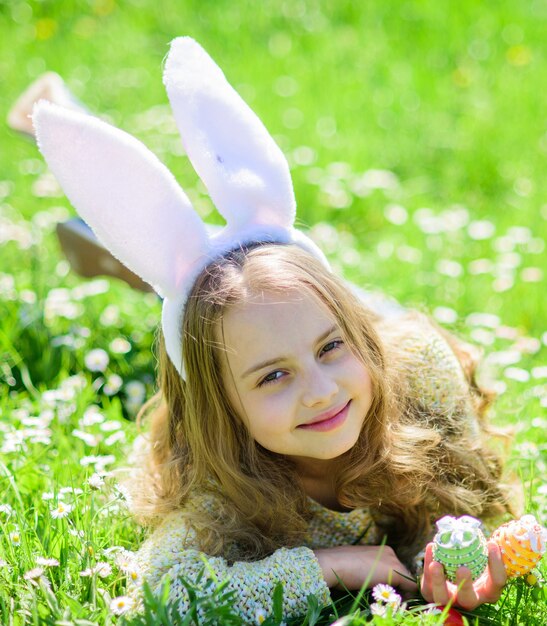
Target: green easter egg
[460, 547]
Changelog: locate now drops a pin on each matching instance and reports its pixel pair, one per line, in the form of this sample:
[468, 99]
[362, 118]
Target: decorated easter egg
[460, 542]
[522, 543]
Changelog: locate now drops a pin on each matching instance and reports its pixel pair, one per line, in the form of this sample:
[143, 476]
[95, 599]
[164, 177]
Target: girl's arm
[171, 551]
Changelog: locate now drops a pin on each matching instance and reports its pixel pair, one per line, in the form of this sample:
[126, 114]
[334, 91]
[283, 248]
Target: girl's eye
[272, 377]
[332, 345]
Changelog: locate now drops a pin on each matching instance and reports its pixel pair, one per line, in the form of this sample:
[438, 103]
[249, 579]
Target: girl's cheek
[276, 414]
[360, 369]
[274, 407]
[351, 366]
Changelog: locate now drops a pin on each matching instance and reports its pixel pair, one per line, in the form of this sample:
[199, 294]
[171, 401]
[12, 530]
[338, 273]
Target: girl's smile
[329, 420]
[293, 379]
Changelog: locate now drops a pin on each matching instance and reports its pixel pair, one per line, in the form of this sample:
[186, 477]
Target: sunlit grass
[415, 135]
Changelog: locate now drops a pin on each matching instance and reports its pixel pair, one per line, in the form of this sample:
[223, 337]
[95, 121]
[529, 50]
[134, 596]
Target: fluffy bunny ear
[242, 167]
[128, 197]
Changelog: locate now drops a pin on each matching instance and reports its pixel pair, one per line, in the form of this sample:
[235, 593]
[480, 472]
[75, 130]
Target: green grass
[443, 98]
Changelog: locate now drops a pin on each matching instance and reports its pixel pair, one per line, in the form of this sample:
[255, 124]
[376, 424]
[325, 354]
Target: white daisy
[76, 382]
[386, 593]
[378, 609]
[135, 391]
[110, 426]
[132, 407]
[124, 561]
[95, 481]
[61, 511]
[6, 509]
[123, 494]
[102, 569]
[33, 574]
[114, 550]
[113, 384]
[432, 610]
[115, 438]
[96, 360]
[74, 490]
[88, 438]
[98, 461]
[92, 416]
[121, 605]
[120, 345]
[89, 460]
[15, 538]
[133, 575]
[41, 560]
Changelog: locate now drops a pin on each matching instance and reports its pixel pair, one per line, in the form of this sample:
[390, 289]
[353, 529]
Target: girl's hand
[464, 592]
[354, 565]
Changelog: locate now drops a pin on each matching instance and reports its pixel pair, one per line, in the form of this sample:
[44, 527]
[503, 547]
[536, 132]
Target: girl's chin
[334, 452]
[332, 449]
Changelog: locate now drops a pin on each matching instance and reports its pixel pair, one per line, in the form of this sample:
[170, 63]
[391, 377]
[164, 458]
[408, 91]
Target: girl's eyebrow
[277, 359]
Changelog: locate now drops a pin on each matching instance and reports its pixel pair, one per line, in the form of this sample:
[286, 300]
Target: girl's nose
[319, 389]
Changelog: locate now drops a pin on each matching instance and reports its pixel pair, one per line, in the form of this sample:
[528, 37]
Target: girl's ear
[242, 167]
[127, 196]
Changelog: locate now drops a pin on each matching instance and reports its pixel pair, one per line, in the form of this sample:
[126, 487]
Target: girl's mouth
[330, 423]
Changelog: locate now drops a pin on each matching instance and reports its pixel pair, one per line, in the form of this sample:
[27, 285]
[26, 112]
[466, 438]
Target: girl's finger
[439, 590]
[467, 596]
[425, 583]
[498, 575]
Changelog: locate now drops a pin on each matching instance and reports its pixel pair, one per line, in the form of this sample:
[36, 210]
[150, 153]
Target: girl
[298, 426]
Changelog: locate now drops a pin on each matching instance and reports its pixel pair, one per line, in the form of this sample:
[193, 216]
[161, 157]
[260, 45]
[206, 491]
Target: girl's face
[291, 377]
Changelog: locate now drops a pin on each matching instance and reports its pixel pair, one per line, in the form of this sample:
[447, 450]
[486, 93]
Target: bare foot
[49, 86]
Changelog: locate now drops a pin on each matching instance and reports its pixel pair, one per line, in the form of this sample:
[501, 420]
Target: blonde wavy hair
[411, 464]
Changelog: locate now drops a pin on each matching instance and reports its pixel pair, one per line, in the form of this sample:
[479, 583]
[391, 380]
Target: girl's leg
[89, 258]
[49, 86]
[85, 253]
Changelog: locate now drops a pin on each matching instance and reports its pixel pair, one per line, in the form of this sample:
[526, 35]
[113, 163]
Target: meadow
[415, 131]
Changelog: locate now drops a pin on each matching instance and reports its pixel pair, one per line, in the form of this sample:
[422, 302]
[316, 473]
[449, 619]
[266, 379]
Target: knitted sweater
[436, 377]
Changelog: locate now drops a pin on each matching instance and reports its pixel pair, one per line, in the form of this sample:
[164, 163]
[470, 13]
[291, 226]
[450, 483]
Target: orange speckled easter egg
[522, 543]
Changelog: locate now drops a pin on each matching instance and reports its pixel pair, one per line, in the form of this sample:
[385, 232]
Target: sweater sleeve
[171, 550]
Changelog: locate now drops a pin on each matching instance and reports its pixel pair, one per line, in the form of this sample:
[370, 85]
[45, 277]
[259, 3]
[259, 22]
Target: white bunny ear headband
[137, 209]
